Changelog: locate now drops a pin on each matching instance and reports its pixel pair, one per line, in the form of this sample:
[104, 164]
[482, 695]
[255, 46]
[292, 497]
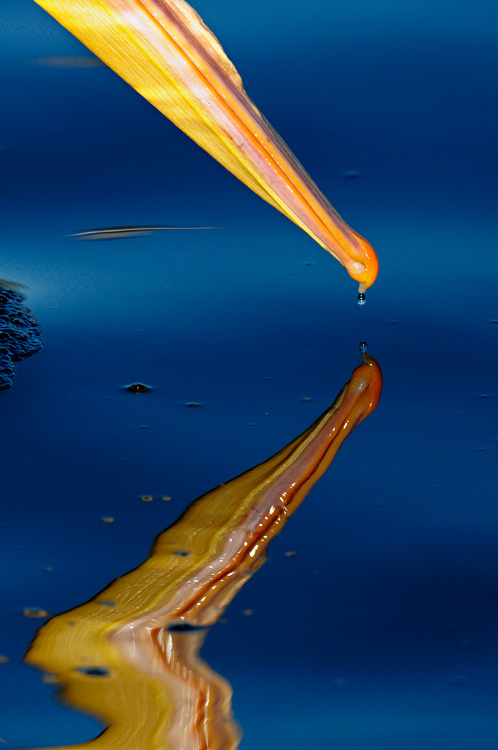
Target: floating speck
[166, 498]
[351, 174]
[107, 519]
[48, 569]
[248, 612]
[146, 498]
[4, 659]
[93, 671]
[485, 395]
[290, 553]
[306, 398]
[137, 388]
[192, 403]
[35, 612]
[182, 552]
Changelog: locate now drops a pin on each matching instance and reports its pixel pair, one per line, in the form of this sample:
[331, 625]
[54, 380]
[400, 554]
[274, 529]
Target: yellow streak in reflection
[164, 50]
[131, 655]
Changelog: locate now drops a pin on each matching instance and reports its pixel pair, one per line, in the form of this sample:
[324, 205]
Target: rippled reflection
[131, 655]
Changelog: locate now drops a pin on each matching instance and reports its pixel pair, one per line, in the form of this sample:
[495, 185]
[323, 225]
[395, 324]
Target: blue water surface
[381, 631]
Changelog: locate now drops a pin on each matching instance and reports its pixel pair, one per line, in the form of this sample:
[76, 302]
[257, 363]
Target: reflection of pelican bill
[131, 655]
[164, 50]
[123, 233]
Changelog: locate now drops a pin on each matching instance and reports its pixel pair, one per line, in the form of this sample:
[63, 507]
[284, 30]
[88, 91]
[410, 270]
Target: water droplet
[182, 552]
[137, 388]
[93, 671]
[361, 298]
[363, 347]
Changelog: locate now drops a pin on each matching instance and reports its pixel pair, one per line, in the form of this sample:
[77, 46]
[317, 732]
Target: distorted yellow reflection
[130, 656]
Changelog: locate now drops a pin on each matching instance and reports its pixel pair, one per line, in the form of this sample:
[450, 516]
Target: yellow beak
[164, 50]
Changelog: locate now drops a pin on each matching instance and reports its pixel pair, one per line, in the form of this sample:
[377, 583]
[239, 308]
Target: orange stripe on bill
[164, 50]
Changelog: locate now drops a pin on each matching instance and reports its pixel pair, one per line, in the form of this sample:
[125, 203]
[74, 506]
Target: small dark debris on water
[137, 388]
[351, 174]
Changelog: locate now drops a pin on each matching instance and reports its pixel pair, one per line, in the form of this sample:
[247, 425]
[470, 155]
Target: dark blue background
[381, 631]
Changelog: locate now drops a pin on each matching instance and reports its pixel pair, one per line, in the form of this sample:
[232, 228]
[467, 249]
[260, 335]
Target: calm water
[381, 631]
